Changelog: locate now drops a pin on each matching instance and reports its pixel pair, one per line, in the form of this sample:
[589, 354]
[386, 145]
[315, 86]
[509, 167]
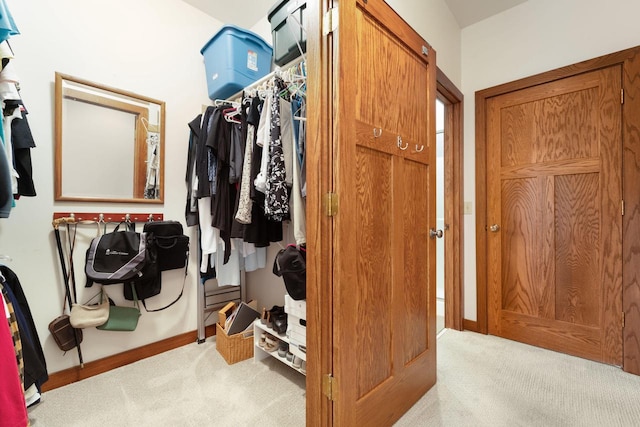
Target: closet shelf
[260, 353]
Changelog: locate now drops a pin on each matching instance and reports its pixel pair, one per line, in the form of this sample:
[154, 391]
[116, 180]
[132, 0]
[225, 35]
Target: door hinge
[330, 21]
[622, 208]
[329, 386]
[623, 319]
[621, 96]
[331, 204]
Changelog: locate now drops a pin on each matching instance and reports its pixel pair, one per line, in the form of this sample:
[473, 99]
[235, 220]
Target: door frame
[629, 59]
[319, 154]
[452, 99]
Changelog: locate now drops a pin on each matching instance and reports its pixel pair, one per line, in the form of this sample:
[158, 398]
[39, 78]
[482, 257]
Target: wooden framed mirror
[109, 144]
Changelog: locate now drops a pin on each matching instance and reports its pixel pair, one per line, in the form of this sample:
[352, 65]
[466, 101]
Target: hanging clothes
[243, 212]
[12, 401]
[22, 142]
[203, 158]
[244, 176]
[8, 26]
[276, 190]
[298, 105]
[191, 207]
[219, 141]
[35, 366]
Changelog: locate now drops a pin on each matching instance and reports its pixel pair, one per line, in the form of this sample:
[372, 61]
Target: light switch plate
[467, 208]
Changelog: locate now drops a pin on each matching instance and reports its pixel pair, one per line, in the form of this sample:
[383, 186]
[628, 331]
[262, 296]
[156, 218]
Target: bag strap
[71, 240]
[135, 297]
[184, 281]
[129, 226]
[63, 265]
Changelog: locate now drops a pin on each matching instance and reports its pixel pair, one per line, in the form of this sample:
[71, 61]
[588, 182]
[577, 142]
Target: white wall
[536, 36]
[433, 20]
[150, 47]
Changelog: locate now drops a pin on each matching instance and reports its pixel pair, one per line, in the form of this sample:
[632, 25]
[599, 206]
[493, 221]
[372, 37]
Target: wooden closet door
[383, 267]
[554, 164]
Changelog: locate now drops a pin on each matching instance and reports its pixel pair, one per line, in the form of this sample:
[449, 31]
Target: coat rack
[108, 217]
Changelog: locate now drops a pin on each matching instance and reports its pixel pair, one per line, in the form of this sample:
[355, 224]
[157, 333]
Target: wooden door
[380, 84]
[555, 215]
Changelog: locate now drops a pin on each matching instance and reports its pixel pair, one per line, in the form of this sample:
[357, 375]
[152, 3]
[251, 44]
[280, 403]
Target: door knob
[494, 228]
[435, 233]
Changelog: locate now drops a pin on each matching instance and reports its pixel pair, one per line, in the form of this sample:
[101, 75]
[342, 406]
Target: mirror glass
[109, 144]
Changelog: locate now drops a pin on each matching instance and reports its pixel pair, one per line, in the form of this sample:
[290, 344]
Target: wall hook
[418, 150]
[400, 144]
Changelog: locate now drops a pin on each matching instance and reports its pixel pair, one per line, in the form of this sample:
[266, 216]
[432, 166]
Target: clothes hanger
[230, 114]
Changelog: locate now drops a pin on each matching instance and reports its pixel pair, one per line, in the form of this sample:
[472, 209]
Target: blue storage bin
[233, 59]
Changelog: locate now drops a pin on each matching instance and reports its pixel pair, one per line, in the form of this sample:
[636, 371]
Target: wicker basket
[234, 348]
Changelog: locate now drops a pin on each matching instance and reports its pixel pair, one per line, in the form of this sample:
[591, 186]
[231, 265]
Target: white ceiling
[246, 13]
[468, 12]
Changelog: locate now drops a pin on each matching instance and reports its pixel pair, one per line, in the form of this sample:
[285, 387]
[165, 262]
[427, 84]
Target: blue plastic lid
[240, 32]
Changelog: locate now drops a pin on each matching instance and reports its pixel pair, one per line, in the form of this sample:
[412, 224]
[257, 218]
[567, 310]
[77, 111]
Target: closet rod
[109, 217]
[257, 83]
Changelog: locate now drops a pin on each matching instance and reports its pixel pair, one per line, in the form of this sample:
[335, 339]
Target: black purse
[172, 245]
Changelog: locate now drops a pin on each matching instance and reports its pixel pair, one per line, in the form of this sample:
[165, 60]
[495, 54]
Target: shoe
[283, 349]
[280, 323]
[261, 343]
[276, 312]
[271, 343]
[297, 362]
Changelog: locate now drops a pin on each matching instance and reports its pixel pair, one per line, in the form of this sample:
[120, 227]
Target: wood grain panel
[320, 251]
[374, 291]
[377, 103]
[567, 125]
[546, 271]
[519, 246]
[631, 219]
[413, 97]
[577, 230]
[384, 140]
[416, 238]
[577, 340]
[610, 139]
[561, 167]
[519, 143]
[555, 128]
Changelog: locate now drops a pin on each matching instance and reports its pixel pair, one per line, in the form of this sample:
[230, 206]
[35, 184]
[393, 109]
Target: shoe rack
[268, 343]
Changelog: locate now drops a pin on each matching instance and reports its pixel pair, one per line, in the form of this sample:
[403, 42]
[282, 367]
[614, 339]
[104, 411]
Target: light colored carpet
[489, 381]
[187, 386]
[482, 381]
